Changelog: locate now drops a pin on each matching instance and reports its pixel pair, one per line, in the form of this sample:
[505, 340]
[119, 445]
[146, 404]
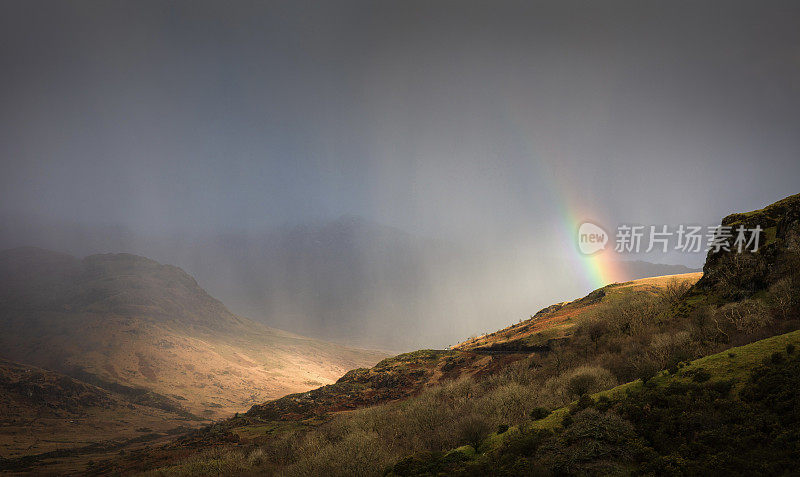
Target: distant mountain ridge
[636, 269]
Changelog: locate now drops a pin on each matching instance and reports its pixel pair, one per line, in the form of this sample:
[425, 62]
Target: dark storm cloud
[240, 114]
[484, 121]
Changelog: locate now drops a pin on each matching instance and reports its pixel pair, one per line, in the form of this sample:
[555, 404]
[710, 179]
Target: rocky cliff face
[730, 274]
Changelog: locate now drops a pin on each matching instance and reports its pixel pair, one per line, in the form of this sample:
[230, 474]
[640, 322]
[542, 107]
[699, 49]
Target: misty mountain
[348, 280]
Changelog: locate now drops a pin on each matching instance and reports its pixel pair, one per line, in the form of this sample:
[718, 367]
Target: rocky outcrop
[732, 274]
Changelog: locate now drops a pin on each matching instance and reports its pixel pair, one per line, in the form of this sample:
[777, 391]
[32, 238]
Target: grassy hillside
[707, 415]
[407, 374]
[559, 320]
[512, 387]
[734, 364]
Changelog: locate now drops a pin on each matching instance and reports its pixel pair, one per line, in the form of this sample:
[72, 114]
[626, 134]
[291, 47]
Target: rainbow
[597, 270]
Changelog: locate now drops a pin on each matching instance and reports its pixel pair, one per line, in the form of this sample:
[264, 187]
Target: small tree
[473, 429]
[746, 316]
[646, 369]
[581, 384]
[596, 329]
[782, 298]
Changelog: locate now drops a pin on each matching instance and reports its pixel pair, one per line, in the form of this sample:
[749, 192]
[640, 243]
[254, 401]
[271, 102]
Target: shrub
[700, 375]
[782, 298]
[630, 316]
[539, 413]
[572, 384]
[594, 444]
[673, 369]
[581, 384]
[646, 369]
[746, 316]
[595, 329]
[622, 366]
[281, 448]
[674, 291]
[738, 275]
[670, 348]
[257, 458]
[357, 454]
[473, 429]
[584, 402]
[507, 403]
[567, 420]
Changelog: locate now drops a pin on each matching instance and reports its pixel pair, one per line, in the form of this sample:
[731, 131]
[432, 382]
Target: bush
[739, 275]
[584, 402]
[630, 316]
[595, 329]
[673, 369]
[281, 448]
[594, 444]
[567, 420]
[700, 375]
[539, 413]
[646, 369]
[670, 348]
[581, 384]
[572, 384]
[473, 429]
[507, 403]
[674, 291]
[745, 316]
[359, 453]
[782, 298]
[257, 458]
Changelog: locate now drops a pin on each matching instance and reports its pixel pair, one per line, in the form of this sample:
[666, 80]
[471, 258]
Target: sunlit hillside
[122, 320]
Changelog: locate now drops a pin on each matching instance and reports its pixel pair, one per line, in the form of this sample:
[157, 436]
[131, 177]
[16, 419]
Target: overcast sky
[443, 118]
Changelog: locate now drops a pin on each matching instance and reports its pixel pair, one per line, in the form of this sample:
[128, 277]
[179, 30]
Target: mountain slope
[731, 413]
[47, 417]
[430, 401]
[557, 320]
[119, 319]
[406, 374]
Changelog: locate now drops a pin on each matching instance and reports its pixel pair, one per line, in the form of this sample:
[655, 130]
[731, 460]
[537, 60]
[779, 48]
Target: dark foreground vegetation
[683, 424]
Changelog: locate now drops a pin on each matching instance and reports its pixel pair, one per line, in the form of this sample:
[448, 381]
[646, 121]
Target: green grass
[467, 451]
[414, 357]
[734, 363]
